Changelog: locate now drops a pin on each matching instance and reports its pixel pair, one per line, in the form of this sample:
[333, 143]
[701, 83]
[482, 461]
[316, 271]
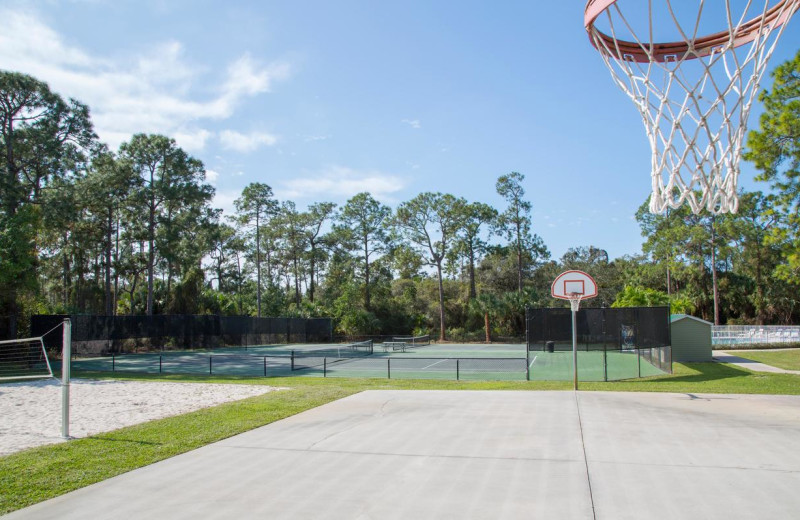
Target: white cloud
[192, 141]
[340, 182]
[224, 201]
[239, 142]
[246, 78]
[212, 176]
[151, 91]
[20, 30]
[413, 123]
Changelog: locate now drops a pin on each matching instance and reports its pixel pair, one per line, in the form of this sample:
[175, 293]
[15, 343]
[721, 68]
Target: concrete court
[479, 454]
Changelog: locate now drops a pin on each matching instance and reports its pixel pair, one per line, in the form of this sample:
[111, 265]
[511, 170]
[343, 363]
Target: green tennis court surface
[443, 361]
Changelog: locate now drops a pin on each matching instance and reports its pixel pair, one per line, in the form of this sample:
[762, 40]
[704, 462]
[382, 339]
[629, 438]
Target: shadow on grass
[105, 438]
[704, 372]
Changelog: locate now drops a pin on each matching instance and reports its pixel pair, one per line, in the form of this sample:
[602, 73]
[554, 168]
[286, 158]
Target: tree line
[84, 229]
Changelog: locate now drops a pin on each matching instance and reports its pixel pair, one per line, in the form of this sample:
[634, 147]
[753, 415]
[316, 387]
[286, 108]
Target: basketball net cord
[575, 301]
[695, 115]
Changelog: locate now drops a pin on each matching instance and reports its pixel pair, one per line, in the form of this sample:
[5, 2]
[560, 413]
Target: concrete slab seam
[585, 458]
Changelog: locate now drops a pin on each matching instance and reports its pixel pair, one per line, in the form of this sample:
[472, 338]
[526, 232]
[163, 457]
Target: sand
[30, 411]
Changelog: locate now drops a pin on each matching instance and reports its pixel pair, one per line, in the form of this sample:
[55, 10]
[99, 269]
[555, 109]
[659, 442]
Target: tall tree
[224, 246]
[363, 221]
[470, 244]
[315, 218]
[292, 224]
[693, 245]
[754, 254]
[168, 178]
[775, 150]
[515, 224]
[104, 192]
[430, 222]
[257, 207]
[42, 137]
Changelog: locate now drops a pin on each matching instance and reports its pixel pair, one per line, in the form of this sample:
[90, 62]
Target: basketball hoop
[694, 94]
[574, 286]
[575, 301]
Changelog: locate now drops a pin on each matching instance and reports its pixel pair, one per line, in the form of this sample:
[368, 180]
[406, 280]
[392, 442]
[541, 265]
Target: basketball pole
[575, 347]
[66, 358]
[574, 286]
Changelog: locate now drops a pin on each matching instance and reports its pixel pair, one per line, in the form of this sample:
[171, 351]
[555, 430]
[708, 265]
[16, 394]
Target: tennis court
[386, 360]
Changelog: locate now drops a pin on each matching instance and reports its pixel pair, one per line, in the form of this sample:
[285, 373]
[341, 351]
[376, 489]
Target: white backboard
[573, 282]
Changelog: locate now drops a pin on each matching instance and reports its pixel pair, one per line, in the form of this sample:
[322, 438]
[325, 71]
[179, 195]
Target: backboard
[570, 283]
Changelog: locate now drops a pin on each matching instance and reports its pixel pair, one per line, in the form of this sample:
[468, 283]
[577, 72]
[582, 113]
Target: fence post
[527, 365]
[527, 331]
[639, 359]
[324, 367]
[210, 366]
[265, 366]
[159, 363]
[670, 359]
[293, 361]
[113, 362]
[458, 375]
[388, 368]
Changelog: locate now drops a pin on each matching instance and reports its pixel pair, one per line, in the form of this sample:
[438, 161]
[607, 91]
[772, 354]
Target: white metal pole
[66, 357]
[527, 348]
[574, 349]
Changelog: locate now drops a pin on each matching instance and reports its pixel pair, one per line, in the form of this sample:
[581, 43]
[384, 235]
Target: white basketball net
[575, 301]
[694, 106]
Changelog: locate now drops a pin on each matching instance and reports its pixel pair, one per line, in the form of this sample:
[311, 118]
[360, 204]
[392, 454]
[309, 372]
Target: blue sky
[322, 100]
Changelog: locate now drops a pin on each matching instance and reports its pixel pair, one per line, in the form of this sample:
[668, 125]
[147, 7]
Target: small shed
[691, 338]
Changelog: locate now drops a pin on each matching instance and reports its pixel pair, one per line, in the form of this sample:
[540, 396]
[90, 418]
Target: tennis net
[414, 341]
[302, 359]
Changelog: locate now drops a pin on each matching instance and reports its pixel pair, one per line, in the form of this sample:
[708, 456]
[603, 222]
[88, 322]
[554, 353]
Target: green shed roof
[677, 317]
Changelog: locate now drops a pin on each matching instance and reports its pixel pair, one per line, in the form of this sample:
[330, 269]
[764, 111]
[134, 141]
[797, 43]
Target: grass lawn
[38, 474]
[786, 359]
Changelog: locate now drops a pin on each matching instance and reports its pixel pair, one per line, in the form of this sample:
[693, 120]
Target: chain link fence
[306, 363]
[555, 366]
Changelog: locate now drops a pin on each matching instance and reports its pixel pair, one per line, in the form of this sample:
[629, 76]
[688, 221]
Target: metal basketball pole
[66, 355]
[574, 348]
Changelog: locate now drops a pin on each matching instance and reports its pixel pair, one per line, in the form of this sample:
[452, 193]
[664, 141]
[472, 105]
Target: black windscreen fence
[8, 327]
[643, 330]
[117, 334]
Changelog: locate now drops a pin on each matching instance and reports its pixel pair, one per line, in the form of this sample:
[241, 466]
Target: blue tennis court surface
[437, 361]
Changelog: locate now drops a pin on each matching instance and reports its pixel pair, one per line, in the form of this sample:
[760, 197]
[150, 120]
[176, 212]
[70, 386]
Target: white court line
[440, 361]
[533, 360]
